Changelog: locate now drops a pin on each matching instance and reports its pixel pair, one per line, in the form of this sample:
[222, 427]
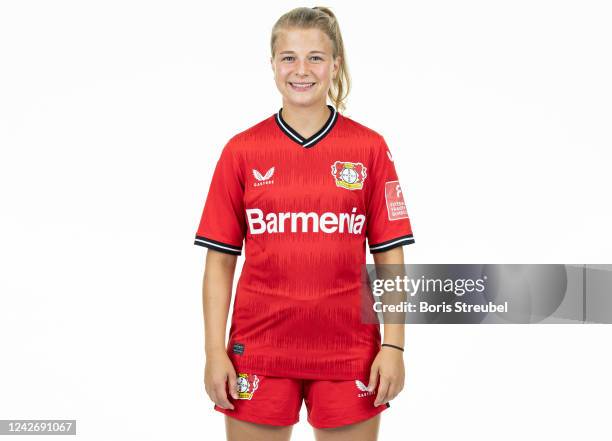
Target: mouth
[300, 87]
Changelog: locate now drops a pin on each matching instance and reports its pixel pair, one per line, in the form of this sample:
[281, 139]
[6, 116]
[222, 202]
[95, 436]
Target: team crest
[246, 385]
[349, 175]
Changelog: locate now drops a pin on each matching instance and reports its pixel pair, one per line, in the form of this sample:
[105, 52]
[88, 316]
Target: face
[303, 66]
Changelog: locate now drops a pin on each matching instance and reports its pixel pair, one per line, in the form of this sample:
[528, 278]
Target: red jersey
[304, 208]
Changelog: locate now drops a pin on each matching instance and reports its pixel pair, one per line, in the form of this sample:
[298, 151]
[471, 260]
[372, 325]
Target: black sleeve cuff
[217, 246]
[389, 244]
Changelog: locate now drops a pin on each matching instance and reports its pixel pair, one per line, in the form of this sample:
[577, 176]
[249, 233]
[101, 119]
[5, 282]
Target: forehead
[303, 40]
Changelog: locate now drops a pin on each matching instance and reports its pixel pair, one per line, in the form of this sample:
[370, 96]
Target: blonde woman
[303, 189]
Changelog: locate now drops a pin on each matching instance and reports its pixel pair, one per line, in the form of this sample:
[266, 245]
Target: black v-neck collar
[312, 140]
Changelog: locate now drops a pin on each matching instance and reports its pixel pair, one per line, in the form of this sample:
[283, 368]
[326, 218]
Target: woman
[304, 188]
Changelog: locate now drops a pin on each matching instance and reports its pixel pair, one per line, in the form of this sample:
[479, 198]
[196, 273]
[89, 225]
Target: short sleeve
[222, 225]
[388, 224]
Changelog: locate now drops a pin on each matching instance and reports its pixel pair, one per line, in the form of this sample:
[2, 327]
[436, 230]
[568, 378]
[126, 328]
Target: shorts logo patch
[396, 208]
[349, 175]
[238, 348]
[363, 388]
[246, 385]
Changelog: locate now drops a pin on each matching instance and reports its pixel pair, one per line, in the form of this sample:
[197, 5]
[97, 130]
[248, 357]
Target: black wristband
[392, 346]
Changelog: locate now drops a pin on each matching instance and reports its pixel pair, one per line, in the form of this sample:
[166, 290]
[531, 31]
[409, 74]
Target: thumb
[373, 378]
[232, 384]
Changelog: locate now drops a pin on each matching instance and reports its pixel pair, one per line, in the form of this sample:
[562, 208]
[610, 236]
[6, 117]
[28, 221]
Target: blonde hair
[321, 18]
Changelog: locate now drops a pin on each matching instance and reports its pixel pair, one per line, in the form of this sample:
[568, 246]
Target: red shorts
[277, 401]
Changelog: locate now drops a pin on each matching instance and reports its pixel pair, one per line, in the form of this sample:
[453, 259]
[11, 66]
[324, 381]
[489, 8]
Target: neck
[305, 120]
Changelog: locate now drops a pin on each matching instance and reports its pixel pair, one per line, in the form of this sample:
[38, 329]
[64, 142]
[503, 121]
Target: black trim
[390, 244]
[217, 246]
[388, 405]
[312, 140]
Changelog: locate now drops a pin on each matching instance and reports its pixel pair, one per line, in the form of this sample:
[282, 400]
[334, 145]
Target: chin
[302, 103]
[302, 100]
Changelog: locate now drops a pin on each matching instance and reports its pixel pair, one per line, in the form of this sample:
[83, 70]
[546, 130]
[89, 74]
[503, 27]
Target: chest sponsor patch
[396, 208]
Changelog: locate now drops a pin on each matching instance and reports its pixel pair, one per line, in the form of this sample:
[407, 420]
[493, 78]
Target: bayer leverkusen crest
[247, 385]
[349, 175]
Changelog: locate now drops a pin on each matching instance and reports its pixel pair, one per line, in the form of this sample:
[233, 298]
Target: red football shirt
[304, 208]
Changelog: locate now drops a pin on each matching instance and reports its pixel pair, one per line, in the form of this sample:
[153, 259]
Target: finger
[232, 384]
[400, 387]
[222, 401]
[383, 388]
[394, 389]
[373, 378]
[212, 395]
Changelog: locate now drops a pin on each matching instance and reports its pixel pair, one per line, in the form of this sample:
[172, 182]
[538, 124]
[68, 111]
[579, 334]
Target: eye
[317, 57]
[285, 58]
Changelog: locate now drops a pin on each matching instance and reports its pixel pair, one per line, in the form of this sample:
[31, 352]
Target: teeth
[302, 85]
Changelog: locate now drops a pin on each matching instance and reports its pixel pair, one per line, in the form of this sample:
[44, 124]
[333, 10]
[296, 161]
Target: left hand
[388, 366]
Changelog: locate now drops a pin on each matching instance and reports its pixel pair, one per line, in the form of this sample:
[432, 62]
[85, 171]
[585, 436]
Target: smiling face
[303, 66]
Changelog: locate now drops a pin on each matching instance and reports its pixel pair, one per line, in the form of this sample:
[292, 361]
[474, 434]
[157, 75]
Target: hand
[389, 367]
[219, 373]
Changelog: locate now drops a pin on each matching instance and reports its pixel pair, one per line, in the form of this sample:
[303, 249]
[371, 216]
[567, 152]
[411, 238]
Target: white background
[113, 114]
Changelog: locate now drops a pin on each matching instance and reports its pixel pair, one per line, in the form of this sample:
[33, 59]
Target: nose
[301, 67]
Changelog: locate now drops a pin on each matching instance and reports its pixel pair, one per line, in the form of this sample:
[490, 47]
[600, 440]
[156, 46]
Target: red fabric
[297, 305]
[277, 401]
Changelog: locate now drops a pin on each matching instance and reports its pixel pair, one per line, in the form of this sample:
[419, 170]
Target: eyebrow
[311, 52]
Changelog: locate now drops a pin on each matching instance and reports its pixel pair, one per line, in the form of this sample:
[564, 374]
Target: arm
[389, 363]
[216, 297]
[393, 333]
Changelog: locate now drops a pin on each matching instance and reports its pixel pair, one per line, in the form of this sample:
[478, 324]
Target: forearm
[394, 334]
[216, 298]
[394, 326]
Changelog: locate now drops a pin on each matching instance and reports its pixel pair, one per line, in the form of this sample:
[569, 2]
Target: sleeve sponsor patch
[396, 208]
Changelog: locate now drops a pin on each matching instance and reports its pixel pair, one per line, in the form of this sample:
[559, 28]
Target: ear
[272, 63]
[337, 65]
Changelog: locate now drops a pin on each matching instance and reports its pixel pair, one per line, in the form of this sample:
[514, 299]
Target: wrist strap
[393, 346]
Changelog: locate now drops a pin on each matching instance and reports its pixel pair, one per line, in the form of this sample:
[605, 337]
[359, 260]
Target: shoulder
[255, 132]
[361, 131]
[364, 134]
[238, 146]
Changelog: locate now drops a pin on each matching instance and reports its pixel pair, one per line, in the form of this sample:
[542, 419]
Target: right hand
[219, 376]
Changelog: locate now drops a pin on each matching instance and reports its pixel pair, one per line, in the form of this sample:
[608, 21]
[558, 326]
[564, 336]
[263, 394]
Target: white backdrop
[113, 114]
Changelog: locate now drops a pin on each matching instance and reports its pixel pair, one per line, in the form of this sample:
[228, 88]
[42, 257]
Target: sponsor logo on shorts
[363, 388]
[246, 384]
